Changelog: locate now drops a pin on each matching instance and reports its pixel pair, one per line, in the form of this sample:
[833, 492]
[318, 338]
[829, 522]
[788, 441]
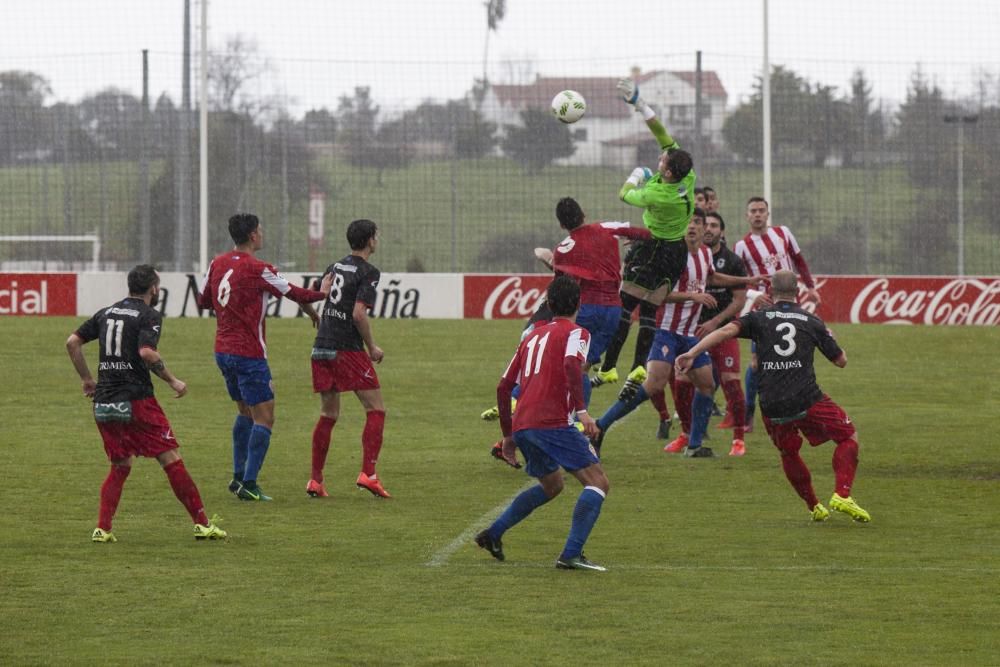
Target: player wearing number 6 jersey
[791, 402]
[237, 287]
[339, 360]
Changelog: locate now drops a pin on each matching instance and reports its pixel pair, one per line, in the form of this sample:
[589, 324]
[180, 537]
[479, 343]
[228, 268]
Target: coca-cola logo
[508, 299]
[958, 301]
[809, 305]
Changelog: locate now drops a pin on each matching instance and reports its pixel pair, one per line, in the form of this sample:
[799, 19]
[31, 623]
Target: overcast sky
[407, 50]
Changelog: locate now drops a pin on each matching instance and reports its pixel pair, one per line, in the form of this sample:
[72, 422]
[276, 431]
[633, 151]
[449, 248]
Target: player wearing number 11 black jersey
[339, 360]
[128, 417]
[792, 403]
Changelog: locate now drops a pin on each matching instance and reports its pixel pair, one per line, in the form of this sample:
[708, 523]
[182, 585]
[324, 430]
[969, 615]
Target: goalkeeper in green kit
[652, 267]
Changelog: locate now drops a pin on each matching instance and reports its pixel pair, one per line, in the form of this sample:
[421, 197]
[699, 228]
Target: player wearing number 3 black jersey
[339, 360]
[238, 287]
[791, 402]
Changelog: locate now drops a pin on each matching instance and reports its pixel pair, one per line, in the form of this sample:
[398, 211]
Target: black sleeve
[89, 330]
[369, 283]
[746, 325]
[826, 342]
[149, 329]
[738, 269]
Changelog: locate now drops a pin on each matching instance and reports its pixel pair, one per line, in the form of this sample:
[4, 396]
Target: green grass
[710, 562]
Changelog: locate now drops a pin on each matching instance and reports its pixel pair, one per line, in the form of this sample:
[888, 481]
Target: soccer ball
[569, 106]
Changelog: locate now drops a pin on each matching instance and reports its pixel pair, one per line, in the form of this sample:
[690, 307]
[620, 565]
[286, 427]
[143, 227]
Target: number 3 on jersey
[789, 330]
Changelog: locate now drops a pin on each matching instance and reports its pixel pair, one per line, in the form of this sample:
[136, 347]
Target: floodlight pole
[961, 121]
[203, 144]
[765, 78]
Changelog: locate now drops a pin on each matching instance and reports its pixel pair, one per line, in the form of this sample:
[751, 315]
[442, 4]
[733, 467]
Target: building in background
[605, 137]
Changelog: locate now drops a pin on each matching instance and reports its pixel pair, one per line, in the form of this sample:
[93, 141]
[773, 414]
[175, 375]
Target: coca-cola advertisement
[493, 297]
[37, 294]
[936, 300]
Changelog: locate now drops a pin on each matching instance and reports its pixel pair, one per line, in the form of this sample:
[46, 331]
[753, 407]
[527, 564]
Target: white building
[610, 132]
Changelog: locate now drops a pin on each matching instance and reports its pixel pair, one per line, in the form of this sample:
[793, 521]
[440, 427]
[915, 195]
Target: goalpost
[93, 239]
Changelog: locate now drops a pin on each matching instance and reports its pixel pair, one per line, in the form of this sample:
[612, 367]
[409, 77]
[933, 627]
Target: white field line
[830, 569]
[465, 537]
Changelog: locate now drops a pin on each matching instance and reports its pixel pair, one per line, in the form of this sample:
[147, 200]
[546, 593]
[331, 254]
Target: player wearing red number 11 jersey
[237, 287]
[548, 366]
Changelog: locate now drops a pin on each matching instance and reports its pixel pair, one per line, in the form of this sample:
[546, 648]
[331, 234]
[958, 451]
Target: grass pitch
[710, 561]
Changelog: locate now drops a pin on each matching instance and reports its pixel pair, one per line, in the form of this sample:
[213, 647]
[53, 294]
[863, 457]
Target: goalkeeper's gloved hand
[639, 176]
[629, 90]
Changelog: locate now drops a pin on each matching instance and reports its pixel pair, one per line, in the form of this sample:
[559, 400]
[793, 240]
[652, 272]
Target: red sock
[186, 491]
[845, 463]
[321, 445]
[111, 493]
[683, 397]
[736, 406]
[659, 401]
[798, 474]
[371, 440]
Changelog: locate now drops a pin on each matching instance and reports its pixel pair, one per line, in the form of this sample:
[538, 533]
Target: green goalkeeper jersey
[668, 206]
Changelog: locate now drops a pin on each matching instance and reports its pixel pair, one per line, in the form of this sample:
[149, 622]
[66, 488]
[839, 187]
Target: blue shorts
[667, 346]
[602, 323]
[548, 449]
[247, 379]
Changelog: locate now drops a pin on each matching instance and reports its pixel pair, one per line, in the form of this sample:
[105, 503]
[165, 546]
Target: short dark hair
[241, 226]
[569, 213]
[699, 191]
[680, 163]
[714, 214]
[707, 189]
[698, 212]
[757, 198]
[360, 232]
[563, 296]
[141, 278]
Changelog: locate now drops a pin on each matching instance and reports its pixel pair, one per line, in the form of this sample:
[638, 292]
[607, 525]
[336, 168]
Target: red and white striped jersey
[766, 254]
[682, 318]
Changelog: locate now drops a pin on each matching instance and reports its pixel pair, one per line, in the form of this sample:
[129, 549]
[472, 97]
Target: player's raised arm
[629, 90]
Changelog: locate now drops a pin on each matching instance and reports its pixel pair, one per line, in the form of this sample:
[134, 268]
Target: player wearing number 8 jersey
[791, 402]
[339, 360]
[237, 287]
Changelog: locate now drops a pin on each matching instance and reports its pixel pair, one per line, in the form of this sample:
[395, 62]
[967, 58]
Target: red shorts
[352, 370]
[825, 420]
[726, 356]
[148, 434]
